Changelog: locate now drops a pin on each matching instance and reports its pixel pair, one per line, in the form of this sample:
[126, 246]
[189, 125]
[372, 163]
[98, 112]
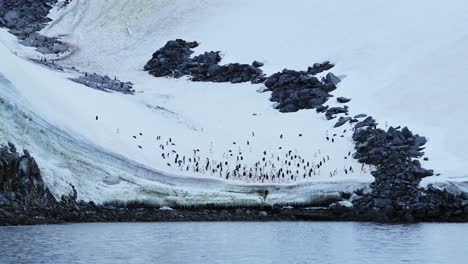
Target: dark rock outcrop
[25, 18]
[395, 194]
[174, 60]
[295, 90]
[21, 184]
[105, 83]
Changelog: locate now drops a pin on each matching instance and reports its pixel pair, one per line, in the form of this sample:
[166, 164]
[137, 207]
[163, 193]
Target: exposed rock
[27, 17]
[105, 83]
[333, 111]
[395, 194]
[343, 100]
[330, 78]
[20, 180]
[319, 67]
[360, 116]
[295, 90]
[342, 121]
[174, 60]
[368, 122]
[257, 64]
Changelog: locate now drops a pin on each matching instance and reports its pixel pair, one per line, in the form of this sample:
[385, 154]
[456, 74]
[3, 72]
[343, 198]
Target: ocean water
[236, 242]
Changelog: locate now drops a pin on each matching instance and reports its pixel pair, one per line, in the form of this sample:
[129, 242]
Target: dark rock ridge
[395, 194]
[25, 18]
[21, 184]
[296, 90]
[105, 83]
[174, 60]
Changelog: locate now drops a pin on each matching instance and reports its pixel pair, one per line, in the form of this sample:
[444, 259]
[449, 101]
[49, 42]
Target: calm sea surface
[232, 242]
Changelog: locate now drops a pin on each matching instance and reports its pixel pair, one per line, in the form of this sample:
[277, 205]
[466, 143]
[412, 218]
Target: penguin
[97, 118]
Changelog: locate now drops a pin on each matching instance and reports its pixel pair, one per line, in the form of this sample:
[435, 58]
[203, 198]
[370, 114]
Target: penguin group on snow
[241, 163]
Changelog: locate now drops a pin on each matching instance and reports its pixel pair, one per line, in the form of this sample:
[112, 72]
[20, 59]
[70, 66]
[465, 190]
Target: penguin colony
[276, 165]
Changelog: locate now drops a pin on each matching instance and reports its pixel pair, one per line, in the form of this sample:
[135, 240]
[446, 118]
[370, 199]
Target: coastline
[110, 214]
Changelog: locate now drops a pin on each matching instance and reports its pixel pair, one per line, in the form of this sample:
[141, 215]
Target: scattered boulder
[342, 121]
[319, 68]
[343, 100]
[360, 116]
[333, 111]
[330, 78]
[257, 64]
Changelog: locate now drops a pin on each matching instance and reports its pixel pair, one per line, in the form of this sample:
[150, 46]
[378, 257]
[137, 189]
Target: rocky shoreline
[90, 213]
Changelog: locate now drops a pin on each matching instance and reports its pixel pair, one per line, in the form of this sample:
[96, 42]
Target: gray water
[283, 242]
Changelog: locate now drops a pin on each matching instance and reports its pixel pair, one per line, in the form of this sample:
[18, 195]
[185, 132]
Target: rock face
[21, 184]
[395, 195]
[25, 18]
[105, 83]
[296, 90]
[174, 60]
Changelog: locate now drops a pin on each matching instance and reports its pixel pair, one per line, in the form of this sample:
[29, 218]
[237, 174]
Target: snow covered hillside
[401, 62]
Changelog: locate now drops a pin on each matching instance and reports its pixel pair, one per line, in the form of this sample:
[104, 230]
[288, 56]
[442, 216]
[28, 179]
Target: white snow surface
[401, 62]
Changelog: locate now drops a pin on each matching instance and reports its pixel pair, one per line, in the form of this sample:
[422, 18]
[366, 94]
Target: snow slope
[397, 58]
